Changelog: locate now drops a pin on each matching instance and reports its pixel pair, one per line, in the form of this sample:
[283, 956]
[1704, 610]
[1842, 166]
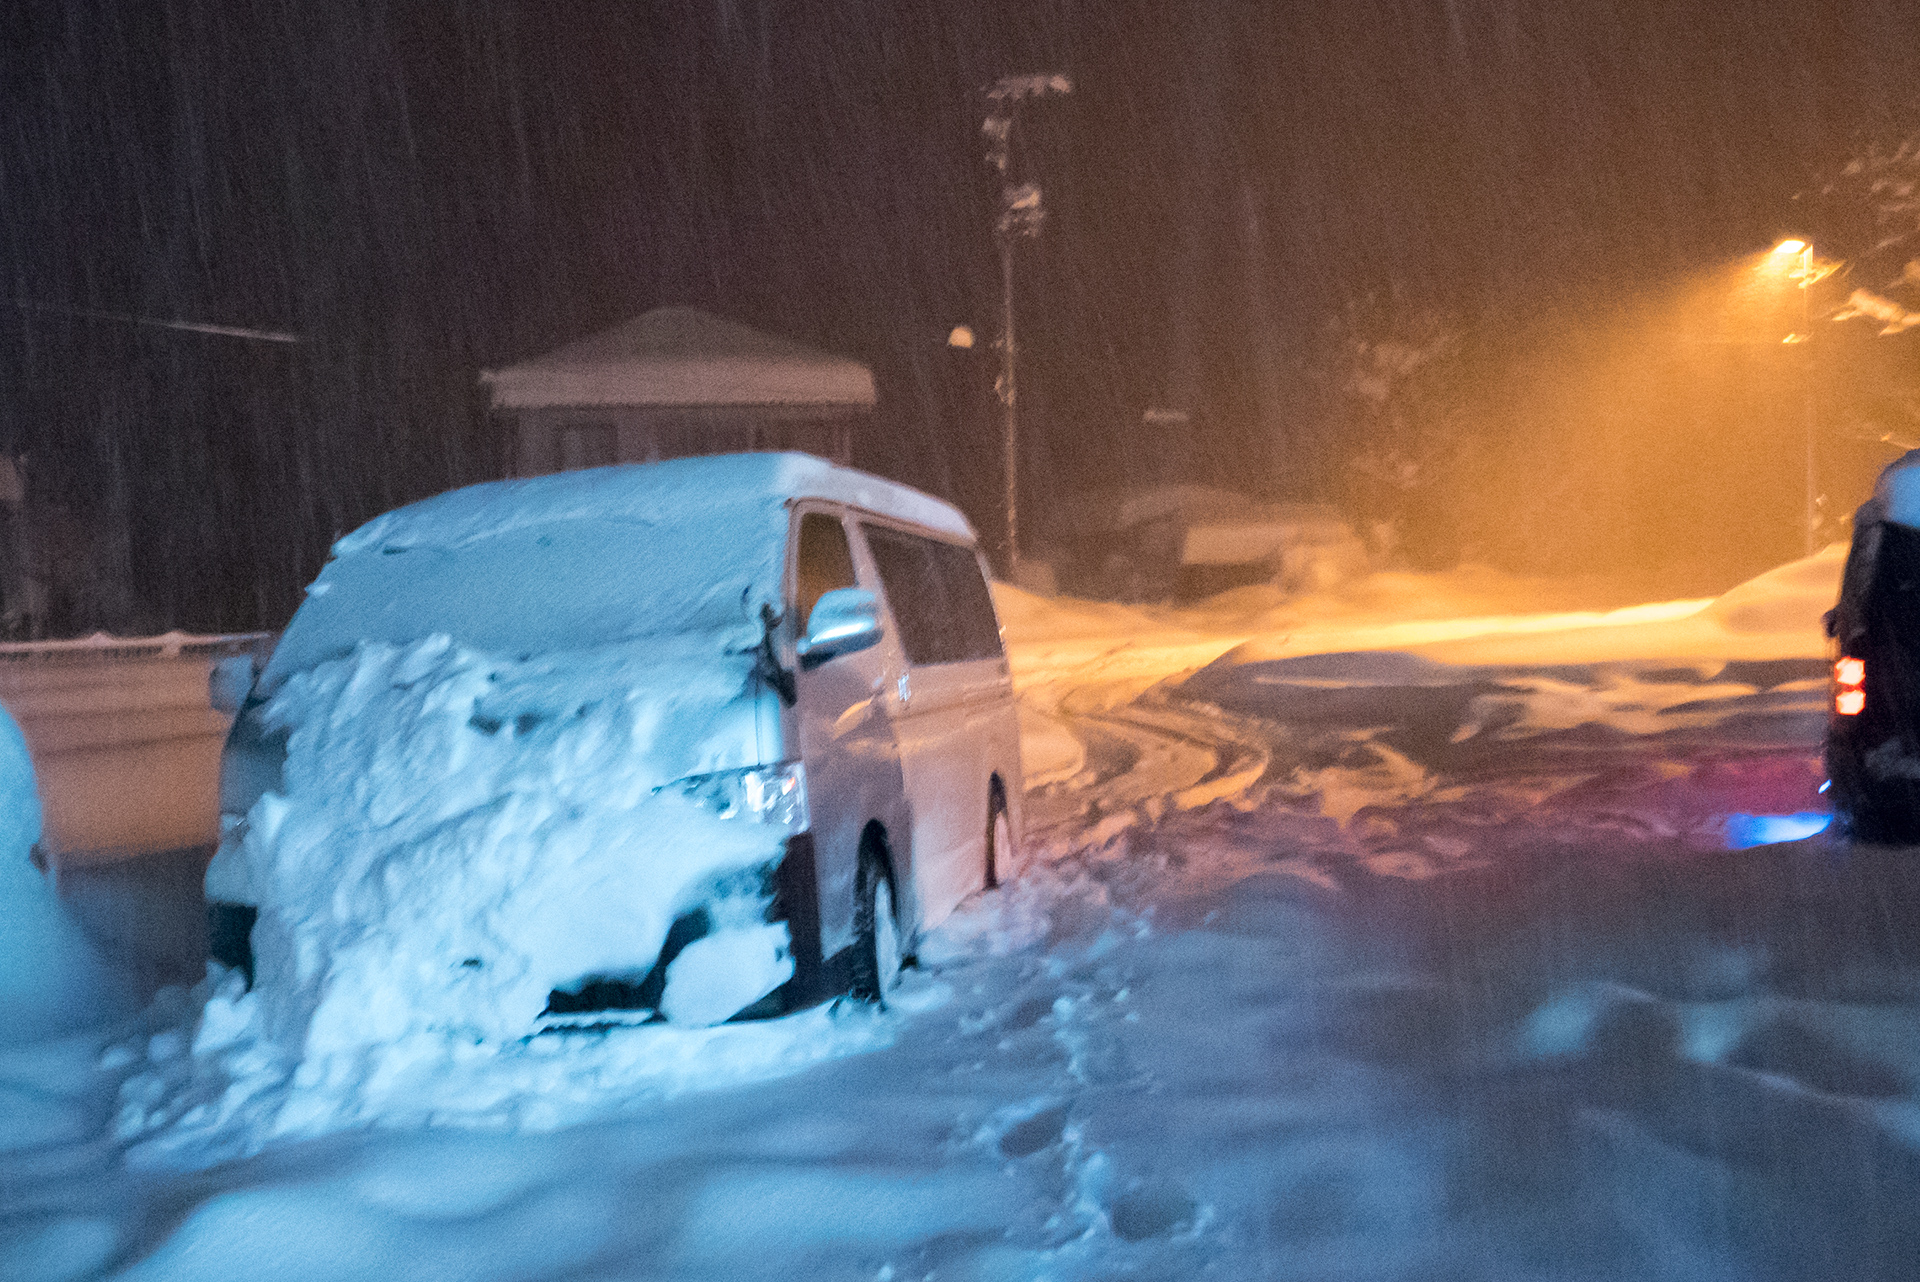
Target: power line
[193, 327]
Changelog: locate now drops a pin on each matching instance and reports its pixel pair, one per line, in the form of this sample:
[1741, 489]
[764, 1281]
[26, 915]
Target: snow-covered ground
[1386, 934]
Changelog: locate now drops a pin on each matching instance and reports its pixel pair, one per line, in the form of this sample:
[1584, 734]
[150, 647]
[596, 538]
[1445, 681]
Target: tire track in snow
[1142, 759]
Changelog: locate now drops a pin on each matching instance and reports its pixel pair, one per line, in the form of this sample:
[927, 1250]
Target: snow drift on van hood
[458, 834]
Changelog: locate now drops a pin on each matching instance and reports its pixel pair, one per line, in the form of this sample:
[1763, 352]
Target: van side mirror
[230, 682]
[843, 621]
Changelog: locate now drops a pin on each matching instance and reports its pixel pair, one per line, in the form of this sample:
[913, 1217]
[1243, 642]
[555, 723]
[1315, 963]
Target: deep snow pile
[51, 977]
[204, 1085]
[1467, 615]
[459, 834]
[1771, 616]
[456, 836]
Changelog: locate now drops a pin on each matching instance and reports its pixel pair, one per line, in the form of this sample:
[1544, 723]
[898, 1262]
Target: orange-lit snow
[1100, 653]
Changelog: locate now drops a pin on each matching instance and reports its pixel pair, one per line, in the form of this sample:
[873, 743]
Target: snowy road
[1337, 966]
[1521, 1012]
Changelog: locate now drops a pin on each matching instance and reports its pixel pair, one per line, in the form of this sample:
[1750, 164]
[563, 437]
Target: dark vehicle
[1873, 721]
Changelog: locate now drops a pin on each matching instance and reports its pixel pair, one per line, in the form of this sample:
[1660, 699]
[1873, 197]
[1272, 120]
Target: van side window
[824, 563]
[938, 597]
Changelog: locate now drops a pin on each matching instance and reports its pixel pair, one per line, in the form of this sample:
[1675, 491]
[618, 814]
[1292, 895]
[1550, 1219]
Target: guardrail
[126, 746]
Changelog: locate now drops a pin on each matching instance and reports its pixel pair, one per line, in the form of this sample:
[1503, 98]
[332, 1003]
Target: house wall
[555, 440]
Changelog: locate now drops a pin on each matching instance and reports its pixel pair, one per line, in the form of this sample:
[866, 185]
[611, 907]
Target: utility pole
[1809, 410]
[1021, 215]
[1796, 260]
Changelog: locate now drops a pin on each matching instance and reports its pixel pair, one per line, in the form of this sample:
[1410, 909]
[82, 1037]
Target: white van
[790, 648]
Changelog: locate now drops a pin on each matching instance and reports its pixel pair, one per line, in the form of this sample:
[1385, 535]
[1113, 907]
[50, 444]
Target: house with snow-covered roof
[673, 383]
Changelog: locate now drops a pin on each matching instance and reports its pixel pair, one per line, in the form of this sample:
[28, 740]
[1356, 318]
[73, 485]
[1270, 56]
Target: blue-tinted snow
[1898, 489]
[1506, 1010]
[51, 977]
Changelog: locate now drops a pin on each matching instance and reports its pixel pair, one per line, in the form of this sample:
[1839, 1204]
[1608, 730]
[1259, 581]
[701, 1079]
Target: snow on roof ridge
[643, 492]
[678, 331]
[682, 356]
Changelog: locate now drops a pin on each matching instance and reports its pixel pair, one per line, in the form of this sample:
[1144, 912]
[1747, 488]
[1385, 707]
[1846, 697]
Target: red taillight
[1849, 686]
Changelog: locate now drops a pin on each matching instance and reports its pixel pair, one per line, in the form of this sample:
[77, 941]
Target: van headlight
[775, 794]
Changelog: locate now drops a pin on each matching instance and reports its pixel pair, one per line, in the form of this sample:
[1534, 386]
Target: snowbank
[217, 1089]
[51, 979]
[1774, 616]
[459, 835]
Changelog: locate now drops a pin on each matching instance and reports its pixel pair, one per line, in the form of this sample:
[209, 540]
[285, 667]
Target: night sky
[419, 191]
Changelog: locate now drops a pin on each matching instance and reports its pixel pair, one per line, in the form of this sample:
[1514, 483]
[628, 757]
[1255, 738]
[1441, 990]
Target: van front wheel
[1000, 856]
[877, 951]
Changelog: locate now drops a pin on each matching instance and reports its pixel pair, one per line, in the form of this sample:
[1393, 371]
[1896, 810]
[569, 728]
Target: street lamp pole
[1009, 406]
[1806, 378]
[1805, 274]
[1801, 253]
[1021, 216]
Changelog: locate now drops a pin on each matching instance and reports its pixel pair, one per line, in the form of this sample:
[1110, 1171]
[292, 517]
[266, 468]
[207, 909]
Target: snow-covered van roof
[676, 489]
[580, 559]
[680, 356]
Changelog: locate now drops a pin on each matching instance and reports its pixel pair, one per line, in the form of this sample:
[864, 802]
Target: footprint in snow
[1030, 1135]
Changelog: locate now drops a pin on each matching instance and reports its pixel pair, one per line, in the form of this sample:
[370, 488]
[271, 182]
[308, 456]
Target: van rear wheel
[878, 953]
[1000, 856]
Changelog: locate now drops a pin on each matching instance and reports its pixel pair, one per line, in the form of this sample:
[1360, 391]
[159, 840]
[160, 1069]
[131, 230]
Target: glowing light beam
[1747, 831]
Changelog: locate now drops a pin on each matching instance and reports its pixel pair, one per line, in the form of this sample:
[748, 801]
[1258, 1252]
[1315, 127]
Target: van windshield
[547, 587]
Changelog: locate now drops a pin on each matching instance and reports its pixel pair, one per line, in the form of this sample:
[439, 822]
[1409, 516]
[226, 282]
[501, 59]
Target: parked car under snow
[691, 741]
